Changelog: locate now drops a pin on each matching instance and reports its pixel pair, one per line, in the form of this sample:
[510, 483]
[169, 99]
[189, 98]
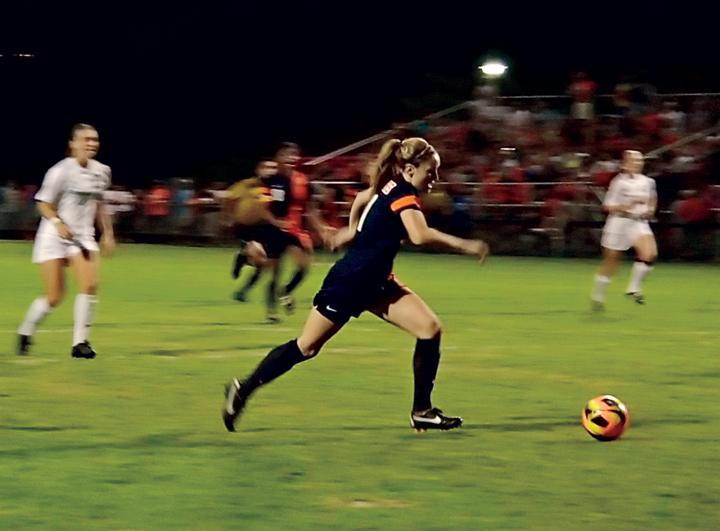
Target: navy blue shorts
[339, 303]
[273, 240]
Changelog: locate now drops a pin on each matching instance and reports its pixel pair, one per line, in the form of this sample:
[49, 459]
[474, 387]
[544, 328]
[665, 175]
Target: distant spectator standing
[157, 206]
[582, 91]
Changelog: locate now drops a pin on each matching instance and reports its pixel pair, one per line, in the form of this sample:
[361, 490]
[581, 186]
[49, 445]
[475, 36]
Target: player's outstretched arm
[421, 234]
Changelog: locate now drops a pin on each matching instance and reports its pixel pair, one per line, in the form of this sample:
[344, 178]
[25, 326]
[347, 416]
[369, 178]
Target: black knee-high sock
[271, 293]
[295, 281]
[425, 366]
[279, 361]
[252, 280]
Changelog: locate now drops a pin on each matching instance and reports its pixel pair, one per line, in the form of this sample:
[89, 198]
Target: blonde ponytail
[393, 155]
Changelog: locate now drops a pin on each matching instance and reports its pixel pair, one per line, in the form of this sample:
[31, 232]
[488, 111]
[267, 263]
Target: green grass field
[133, 439]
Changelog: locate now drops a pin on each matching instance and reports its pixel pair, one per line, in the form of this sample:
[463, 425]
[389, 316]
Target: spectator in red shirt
[157, 205]
[582, 90]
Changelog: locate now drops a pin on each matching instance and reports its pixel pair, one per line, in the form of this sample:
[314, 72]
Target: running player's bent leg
[241, 294]
[302, 259]
[86, 273]
[54, 281]
[317, 331]
[646, 251]
[298, 277]
[406, 310]
[611, 258]
[238, 262]
[271, 296]
[426, 360]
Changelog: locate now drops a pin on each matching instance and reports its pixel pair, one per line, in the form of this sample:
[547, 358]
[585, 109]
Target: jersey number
[277, 194]
[366, 210]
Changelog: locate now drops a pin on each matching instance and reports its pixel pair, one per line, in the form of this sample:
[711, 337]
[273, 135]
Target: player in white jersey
[630, 202]
[70, 202]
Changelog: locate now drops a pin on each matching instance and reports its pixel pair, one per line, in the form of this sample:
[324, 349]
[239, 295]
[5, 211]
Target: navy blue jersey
[369, 259]
[280, 194]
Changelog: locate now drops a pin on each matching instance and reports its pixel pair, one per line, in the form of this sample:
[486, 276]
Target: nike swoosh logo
[434, 420]
[331, 309]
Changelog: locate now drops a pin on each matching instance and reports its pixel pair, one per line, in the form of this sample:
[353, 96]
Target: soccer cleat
[273, 317]
[288, 303]
[240, 296]
[83, 350]
[24, 343]
[636, 296]
[238, 262]
[234, 404]
[433, 419]
[597, 306]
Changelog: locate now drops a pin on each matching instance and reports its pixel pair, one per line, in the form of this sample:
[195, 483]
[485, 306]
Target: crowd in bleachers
[542, 164]
[545, 164]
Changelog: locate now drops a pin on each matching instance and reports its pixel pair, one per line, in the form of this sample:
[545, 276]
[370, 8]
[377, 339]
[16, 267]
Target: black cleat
[234, 404]
[433, 419]
[288, 304]
[238, 262]
[24, 343]
[83, 350]
[273, 318]
[240, 296]
[636, 296]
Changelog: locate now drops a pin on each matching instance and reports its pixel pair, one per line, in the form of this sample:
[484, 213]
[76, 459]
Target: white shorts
[620, 234]
[50, 246]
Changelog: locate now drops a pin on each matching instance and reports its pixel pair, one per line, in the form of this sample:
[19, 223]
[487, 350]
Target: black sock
[295, 281]
[252, 280]
[425, 366]
[271, 295]
[279, 361]
[238, 262]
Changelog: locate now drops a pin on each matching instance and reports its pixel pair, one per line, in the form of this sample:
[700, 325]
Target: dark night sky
[186, 91]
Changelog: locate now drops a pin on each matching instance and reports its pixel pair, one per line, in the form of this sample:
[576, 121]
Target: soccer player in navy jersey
[381, 217]
[291, 206]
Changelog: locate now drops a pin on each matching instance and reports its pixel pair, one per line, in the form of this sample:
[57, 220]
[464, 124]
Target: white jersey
[622, 232]
[637, 190]
[75, 190]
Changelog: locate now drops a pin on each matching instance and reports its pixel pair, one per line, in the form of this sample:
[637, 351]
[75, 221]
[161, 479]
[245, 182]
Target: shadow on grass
[40, 429]
[183, 351]
[222, 439]
[541, 312]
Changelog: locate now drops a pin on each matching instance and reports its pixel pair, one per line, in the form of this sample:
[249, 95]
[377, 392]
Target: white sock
[601, 284]
[39, 309]
[84, 312]
[639, 272]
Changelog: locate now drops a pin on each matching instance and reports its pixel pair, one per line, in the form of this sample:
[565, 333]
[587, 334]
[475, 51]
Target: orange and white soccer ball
[605, 417]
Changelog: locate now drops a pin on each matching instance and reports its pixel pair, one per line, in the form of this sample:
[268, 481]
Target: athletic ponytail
[385, 164]
[393, 155]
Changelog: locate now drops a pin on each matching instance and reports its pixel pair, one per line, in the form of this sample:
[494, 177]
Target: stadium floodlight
[493, 69]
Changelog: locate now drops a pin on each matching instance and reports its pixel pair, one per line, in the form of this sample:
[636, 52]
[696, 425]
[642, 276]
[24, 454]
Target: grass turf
[134, 440]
